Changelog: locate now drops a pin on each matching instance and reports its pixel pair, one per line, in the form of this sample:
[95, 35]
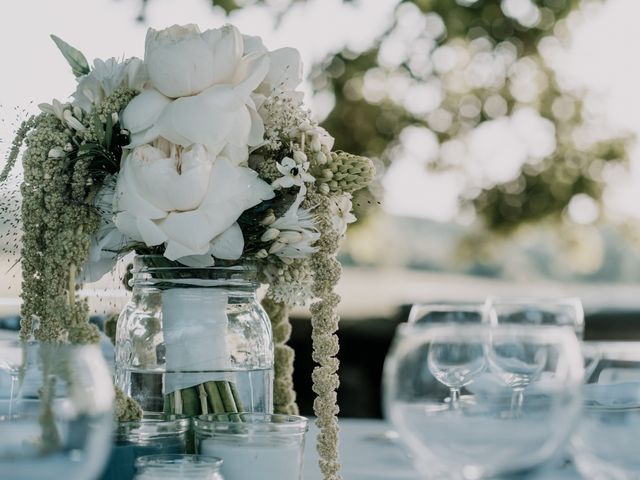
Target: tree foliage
[452, 66]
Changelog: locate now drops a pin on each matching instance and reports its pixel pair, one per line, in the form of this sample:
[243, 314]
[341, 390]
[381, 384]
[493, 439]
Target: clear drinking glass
[270, 447]
[62, 414]
[537, 311]
[481, 437]
[604, 445]
[178, 467]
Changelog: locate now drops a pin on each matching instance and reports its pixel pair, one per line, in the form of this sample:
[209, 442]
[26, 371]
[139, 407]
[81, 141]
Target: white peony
[200, 87]
[104, 78]
[187, 199]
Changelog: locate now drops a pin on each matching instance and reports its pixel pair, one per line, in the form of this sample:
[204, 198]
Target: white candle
[264, 459]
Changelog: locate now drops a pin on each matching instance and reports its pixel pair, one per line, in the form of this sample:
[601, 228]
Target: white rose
[187, 199]
[200, 87]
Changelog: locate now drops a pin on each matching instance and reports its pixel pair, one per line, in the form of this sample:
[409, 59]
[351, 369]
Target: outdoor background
[504, 135]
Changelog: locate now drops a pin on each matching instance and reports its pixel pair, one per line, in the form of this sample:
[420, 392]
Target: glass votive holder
[250, 444]
[178, 467]
[154, 434]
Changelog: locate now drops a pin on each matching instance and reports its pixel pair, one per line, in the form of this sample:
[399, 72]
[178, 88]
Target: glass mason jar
[154, 434]
[178, 467]
[195, 340]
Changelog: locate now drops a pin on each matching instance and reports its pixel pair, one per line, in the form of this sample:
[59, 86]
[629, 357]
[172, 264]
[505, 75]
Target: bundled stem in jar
[210, 397]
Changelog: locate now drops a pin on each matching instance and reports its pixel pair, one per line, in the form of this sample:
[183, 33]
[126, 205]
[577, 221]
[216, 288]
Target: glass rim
[271, 424]
[156, 420]
[612, 350]
[444, 329]
[245, 265]
[177, 461]
[543, 301]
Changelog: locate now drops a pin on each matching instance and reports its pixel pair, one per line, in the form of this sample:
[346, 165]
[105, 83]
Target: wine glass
[604, 445]
[10, 361]
[536, 311]
[61, 424]
[480, 438]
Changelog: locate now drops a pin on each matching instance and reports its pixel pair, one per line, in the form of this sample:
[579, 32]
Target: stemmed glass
[481, 438]
[566, 311]
[10, 361]
[523, 364]
[455, 363]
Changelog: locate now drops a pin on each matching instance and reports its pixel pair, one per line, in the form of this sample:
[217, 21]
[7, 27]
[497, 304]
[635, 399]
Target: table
[366, 454]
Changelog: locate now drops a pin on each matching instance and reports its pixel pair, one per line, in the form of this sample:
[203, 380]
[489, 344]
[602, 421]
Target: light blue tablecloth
[365, 454]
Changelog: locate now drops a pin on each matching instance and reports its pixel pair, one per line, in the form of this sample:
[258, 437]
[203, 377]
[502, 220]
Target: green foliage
[74, 57]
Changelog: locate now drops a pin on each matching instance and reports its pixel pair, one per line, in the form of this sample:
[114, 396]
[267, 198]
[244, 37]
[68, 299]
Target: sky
[599, 58]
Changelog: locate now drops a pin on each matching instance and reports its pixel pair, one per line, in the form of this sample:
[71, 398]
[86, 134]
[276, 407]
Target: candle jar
[178, 467]
[154, 434]
[195, 340]
[248, 443]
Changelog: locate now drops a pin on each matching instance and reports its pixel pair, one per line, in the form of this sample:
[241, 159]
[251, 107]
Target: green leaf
[108, 131]
[74, 57]
[99, 129]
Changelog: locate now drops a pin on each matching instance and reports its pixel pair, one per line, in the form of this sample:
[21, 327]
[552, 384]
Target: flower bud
[270, 234]
[321, 158]
[277, 246]
[269, 219]
[290, 237]
[315, 144]
[299, 156]
[77, 112]
[56, 152]
[68, 147]
[58, 108]
[262, 254]
[72, 121]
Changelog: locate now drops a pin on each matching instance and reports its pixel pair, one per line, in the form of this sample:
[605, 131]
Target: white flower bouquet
[202, 152]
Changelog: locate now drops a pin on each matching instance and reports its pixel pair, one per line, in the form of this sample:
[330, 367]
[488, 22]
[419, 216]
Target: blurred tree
[450, 68]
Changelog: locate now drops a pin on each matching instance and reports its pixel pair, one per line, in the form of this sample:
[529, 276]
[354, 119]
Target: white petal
[192, 230]
[180, 68]
[229, 244]
[143, 110]
[127, 195]
[235, 155]
[126, 223]
[253, 44]
[256, 135]
[250, 73]
[161, 184]
[226, 47]
[150, 233]
[197, 261]
[206, 118]
[285, 71]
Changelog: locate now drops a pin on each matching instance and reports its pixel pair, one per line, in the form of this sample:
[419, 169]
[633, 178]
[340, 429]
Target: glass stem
[517, 399]
[455, 398]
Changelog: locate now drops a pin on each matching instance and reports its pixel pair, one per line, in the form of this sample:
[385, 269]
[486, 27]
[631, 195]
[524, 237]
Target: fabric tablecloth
[366, 454]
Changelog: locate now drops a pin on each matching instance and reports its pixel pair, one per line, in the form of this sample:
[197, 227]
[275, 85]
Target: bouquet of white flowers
[200, 153]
